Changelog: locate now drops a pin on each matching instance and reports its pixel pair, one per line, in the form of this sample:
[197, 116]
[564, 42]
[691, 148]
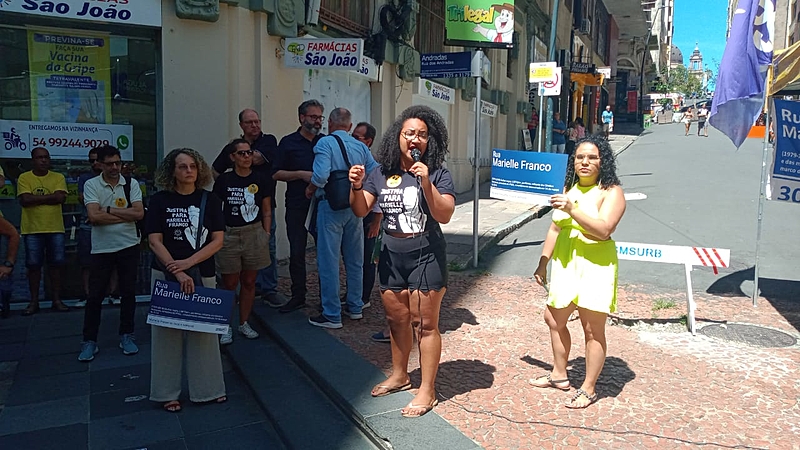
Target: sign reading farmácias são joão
[329, 54]
[482, 23]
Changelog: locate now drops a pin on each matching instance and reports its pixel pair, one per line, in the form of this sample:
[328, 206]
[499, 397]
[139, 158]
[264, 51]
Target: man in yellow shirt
[41, 194]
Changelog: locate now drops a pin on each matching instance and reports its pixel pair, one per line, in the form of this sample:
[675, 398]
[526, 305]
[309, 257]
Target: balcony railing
[352, 16]
[430, 27]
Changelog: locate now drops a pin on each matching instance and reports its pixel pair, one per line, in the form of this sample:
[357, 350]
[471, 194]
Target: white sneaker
[248, 332]
[226, 338]
[80, 303]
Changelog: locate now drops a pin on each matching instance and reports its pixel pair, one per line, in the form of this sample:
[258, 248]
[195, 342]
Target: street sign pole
[540, 89]
[477, 70]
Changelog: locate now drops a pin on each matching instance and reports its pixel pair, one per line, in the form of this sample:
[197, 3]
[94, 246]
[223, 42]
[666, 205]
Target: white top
[118, 236]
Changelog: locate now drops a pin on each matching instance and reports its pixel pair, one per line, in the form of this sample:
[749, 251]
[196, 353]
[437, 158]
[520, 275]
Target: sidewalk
[496, 218]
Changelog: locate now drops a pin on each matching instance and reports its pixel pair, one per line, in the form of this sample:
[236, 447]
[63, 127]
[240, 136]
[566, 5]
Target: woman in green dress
[584, 263]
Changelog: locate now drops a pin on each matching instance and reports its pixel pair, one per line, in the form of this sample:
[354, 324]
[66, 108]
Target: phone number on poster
[66, 142]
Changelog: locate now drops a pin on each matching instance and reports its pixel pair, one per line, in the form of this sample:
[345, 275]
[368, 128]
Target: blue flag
[739, 94]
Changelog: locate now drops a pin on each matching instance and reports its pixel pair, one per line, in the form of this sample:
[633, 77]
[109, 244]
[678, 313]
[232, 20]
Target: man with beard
[293, 164]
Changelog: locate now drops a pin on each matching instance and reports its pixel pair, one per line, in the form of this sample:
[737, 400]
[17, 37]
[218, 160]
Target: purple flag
[739, 94]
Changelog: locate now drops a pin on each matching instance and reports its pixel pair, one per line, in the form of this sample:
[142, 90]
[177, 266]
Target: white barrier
[672, 254]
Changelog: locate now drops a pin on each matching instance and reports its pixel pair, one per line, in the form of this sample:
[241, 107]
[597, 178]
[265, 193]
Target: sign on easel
[673, 254]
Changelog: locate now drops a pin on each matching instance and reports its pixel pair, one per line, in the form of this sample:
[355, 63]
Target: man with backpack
[114, 205]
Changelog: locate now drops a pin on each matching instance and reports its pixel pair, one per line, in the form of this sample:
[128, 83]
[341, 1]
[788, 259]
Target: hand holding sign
[562, 202]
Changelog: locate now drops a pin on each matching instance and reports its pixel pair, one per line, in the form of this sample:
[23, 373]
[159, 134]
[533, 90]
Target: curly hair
[438, 140]
[608, 163]
[165, 174]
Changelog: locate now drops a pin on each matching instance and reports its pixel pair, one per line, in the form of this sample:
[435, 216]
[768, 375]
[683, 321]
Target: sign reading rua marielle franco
[206, 310]
[133, 12]
[784, 182]
[328, 54]
[527, 177]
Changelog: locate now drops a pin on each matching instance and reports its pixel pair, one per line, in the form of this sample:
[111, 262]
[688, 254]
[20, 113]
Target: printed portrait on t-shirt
[191, 230]
[249, 209]
[401, 206]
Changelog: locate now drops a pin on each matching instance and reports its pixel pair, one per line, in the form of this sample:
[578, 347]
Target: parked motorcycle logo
[13, 140]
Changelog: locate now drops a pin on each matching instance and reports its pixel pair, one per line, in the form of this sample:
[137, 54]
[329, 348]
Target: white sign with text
[63, 140]
[122, 12]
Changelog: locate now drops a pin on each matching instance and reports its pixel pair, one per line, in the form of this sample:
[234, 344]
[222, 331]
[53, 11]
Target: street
[699, 192]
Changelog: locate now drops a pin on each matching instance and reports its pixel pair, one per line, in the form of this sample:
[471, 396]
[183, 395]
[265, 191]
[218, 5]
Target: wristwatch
[8, 263]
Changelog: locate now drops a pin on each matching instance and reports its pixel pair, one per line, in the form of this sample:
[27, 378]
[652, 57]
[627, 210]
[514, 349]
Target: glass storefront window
[83, 86]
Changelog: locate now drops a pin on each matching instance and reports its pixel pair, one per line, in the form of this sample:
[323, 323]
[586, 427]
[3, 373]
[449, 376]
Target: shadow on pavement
[460, 377]
[615, 375]
[782, 294]
[451, 319]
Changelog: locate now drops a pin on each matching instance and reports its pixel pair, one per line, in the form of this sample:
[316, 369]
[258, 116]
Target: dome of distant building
[675, 56]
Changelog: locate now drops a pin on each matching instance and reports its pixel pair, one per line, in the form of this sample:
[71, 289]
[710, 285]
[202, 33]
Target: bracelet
[108, 209]
[357, 189]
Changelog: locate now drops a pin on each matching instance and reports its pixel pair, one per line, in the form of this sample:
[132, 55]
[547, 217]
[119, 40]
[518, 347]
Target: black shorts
[416, 263]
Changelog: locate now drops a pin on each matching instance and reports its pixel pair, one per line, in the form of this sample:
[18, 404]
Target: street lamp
[645, 52]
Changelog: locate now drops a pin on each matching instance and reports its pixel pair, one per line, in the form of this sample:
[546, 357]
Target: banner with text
[784, 180]
[479, 23]
[70, 77]
[206, 311]
[527, 177]
[63, 140]
[133, 12]
[327, 54]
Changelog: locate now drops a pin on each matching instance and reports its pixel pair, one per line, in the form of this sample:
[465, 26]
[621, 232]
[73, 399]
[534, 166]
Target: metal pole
[548, 134]
[541, 116]
[476, 162]
[762, 196]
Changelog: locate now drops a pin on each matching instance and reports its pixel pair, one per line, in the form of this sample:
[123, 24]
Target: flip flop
[580, 392]
[172, 406]
[550, 383]
[60, 307]
[425, 409]
[391, 390]
[30, 310]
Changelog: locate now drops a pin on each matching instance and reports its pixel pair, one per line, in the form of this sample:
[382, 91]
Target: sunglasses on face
[92, 161]
[244, 152]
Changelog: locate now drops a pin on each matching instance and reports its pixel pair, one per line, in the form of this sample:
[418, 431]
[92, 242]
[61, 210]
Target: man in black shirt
[293, 164]
[264, 147]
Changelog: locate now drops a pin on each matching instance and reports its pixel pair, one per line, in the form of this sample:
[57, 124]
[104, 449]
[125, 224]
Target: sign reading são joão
[329, 54]
[486, 23]
[206, 310]
[784, 183]
[527, 177]
[134, 12]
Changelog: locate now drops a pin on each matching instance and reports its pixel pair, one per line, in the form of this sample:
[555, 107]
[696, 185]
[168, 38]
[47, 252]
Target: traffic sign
[540, 72]
[553, 87]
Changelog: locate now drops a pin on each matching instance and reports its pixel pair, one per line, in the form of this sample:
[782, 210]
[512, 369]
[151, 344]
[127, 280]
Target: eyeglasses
[411, 134]
[244, 153]
[315, 117]
[591, 158]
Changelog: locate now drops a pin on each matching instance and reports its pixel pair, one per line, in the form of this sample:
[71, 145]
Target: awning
[587, 79]
[786, 64]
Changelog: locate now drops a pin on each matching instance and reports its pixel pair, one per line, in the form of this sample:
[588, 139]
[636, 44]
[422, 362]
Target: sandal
[412, 407]
[59, 306]
[390, 389]
[172, 406]
[580, 392]
[31, 309]
[549, 382]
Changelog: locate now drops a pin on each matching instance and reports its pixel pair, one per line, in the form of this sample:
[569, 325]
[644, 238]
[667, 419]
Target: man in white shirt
[114, 205]
[702, 118]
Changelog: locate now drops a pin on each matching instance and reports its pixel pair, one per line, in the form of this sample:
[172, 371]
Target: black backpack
[139, 223]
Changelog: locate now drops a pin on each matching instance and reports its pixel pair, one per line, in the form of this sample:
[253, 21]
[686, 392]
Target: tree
[678, 79]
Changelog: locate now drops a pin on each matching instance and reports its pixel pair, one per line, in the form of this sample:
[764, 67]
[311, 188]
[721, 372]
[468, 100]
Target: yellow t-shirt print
[120, 203]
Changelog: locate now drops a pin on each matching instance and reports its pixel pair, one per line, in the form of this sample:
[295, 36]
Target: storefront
[73, 77]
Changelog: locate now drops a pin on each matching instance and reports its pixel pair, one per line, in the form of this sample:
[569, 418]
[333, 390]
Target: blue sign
[206, 310]
[446, 65]
[784, 183]
[527, 177]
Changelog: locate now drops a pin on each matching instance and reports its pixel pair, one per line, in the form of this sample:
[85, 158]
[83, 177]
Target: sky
[704, 22]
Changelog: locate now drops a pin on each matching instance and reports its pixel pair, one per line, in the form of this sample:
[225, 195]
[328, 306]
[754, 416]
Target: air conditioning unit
[586, 26]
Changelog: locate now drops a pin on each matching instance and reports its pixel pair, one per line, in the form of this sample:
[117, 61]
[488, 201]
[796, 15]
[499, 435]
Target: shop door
[339, 89]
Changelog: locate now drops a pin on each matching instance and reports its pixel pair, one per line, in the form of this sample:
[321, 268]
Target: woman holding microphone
[415, 194]
[584, 269]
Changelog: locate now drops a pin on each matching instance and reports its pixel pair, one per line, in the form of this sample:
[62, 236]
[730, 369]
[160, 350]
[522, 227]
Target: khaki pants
[203, 361]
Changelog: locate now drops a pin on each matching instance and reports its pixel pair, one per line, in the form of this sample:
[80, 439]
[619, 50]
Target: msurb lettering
[641, 252]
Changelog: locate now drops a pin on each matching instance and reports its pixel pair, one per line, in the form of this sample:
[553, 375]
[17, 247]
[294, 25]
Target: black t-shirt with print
[242, 196]
[401, 200]
[175, 216]
[267, 144]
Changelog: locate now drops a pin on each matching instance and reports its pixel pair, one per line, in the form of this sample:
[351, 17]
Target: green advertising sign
[479, 23]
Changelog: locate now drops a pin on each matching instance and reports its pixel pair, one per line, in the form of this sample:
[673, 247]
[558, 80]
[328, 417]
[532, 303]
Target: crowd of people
[361, 208]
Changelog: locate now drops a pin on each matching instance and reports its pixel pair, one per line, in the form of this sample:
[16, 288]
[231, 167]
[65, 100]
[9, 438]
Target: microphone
[416, 155]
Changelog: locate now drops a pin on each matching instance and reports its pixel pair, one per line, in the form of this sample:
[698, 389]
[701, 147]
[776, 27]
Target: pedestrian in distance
[294, 164]
[416, 194]
[702, 120]
[114, 205]
[607, 117]
[584, 264]
[572, 138]
[339, 231]
[687, 119]
[559, 135]
[264, 147]
[184, 248]
[41, 193]
[9, 231]
[580, 128]
[247, 204]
